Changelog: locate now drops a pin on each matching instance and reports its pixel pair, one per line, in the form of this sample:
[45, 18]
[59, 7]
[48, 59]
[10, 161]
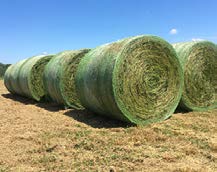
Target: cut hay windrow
[59, 78]
[11, 78]
[31, 76]
[138, 80]
[199, 63]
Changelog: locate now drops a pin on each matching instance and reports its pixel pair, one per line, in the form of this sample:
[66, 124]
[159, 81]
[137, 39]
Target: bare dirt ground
[43, 137]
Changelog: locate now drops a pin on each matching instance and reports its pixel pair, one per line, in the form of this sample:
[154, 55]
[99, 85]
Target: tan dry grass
[38, 137]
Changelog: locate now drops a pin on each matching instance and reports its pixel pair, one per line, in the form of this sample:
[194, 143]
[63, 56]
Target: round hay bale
[7, 79]
[11, 78]
[59, 78]
[31, 76]
[199, 63]
[138, 80]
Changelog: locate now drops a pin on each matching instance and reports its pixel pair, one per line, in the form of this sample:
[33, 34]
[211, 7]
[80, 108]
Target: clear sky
[32, 27]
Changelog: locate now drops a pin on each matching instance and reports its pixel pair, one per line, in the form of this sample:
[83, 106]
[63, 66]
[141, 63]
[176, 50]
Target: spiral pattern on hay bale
[59, 78]
[30, 77]
[138, 80]
[199, 62]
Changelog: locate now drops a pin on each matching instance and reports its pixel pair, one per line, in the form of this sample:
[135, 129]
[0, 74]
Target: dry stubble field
[43, 137]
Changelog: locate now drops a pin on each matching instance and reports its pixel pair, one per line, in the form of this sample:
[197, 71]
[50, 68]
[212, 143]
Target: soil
[46, 137]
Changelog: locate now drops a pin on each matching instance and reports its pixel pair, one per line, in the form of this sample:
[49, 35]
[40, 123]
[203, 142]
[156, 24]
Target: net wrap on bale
[31, 76]
[59, 78]
[199, 63]
[138, 80]
[7, 79]
[11, 80]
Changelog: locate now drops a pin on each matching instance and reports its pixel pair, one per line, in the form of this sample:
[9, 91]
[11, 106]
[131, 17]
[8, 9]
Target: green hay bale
[199, 63]
[7, 79]
[137, 80]
[11, 78]
[59, 78]
[31, 77]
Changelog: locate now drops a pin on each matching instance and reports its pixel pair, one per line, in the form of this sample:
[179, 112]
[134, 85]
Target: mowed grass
[44, 137]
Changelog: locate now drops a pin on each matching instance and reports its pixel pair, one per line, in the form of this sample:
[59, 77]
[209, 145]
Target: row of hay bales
[141, 79]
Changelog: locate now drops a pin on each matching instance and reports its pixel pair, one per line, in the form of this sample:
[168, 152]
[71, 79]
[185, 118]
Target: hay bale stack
[31, 77]
[137, 80]
[59, 78]
[199, 62]
[11, 78]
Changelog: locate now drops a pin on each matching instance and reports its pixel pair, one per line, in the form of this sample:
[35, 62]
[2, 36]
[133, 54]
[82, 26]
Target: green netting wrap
[59, 78]
[137, 80]
[11, 78]
[7, 79]
[31, 77]
[199, 63]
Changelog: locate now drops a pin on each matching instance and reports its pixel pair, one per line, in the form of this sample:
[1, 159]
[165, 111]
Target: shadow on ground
[94, 120]
[84, 116]
[50, 106]
[18, 98]
[180, 110]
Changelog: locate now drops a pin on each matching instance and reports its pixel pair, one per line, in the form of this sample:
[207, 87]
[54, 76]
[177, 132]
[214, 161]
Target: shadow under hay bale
[181, 110]
[83, 116]
[96, 121]
[19, 98]
[50, 106]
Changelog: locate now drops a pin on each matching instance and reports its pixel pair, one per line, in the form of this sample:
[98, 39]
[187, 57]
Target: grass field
[43, 137]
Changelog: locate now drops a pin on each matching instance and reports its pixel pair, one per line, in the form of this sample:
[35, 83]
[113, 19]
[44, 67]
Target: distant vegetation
[3, 68]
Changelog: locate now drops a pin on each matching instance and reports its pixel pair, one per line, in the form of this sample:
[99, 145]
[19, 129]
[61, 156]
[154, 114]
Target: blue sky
[32, 27]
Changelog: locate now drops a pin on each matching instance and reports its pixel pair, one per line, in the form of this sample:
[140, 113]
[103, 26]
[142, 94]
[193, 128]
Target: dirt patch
[43, 137]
